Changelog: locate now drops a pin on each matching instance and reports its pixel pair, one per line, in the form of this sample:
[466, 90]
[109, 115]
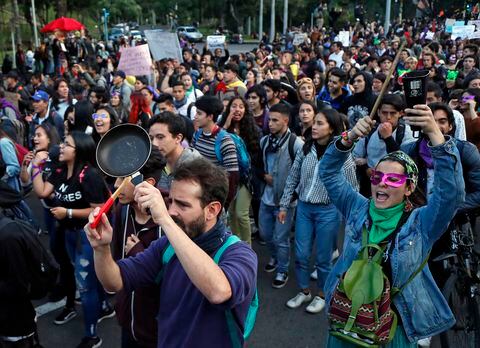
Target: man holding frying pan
[192, 284]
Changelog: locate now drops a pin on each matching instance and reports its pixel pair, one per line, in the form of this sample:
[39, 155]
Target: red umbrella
[64, 24]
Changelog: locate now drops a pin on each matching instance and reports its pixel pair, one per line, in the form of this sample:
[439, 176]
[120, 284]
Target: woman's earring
[408, 205]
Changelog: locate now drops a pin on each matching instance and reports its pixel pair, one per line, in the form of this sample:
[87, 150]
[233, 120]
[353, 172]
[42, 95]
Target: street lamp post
[260, 20]
[387, 16]
[285, 16]
[34, 16]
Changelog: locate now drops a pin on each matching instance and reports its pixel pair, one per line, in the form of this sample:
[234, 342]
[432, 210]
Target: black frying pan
[121, 152]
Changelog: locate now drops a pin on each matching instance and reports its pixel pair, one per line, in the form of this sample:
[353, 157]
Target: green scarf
[384, 221]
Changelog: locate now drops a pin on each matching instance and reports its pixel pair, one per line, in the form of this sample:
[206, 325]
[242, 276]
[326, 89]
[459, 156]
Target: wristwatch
[69, 213]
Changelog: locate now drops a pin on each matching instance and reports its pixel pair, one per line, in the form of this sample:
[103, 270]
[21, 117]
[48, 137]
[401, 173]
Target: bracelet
[36, 174]
[69, 213]
[345, 137]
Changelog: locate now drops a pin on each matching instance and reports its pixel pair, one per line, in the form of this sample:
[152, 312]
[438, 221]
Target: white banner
[163, 44]
[136, 60]
[299, 38]
[462, 32]
[344, 38]
[449, 23]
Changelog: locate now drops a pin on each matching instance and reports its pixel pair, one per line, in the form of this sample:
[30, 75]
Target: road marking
[49, 307]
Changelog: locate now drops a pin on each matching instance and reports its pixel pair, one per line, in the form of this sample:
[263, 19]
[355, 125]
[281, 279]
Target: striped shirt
[305, 180]
[206, 146]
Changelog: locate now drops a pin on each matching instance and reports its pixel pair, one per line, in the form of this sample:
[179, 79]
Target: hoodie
[359, 105]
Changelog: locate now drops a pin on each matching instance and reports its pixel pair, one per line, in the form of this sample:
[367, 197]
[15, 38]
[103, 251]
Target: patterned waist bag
[361, 306]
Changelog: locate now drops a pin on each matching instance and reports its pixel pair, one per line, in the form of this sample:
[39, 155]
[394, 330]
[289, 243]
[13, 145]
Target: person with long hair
[318, 220]
[104, 118]
[306, 114]
[46, 139]
[238, 120]
[81, 119]
[390, 221]
[78, 187]
[256, 98]
[360, 103]
[469, 104]
[117, 104]
[62, 97]
[140, 112]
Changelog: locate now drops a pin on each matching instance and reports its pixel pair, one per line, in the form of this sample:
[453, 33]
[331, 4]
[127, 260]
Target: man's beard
[194, 229]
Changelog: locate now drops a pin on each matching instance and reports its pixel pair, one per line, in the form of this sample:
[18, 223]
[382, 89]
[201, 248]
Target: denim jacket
[421, 305]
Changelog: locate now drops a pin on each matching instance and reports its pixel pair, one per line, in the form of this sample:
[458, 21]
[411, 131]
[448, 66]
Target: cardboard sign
[476, 23]
[215, 41]
[163, 45]
[136, 60]
[299, 38]
[344, 38]
[462, 32]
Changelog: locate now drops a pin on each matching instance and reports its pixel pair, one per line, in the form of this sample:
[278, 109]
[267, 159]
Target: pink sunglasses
[390, 179]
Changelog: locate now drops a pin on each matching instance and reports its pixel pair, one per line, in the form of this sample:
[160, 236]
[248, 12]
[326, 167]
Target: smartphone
[414, 85]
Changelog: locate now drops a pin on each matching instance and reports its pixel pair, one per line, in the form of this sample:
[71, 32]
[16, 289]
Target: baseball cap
[120, 73]
[40, 95]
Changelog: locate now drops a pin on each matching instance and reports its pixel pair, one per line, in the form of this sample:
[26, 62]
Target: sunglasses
[390, 179]
[467, 98]
[102, 116]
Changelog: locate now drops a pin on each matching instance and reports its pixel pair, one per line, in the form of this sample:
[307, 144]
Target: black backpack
[42, 267]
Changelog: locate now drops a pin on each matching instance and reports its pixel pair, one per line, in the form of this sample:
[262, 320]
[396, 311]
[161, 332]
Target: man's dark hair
[143, 79]
[430, 55]
[450, 117]
[470, 78]
[395, 100]
[380, 76]
[178, 83]
[210, 105]
[339, 44]
[165, 98]
[281, 108]
[212, 66]
[342, 75]
[475, 58]
[95, 67]
[212, 179]
[435, 88]
[275, 85]
[175, 124]
[232, 67]
[472, 47]
[154, 166]
[101, 93]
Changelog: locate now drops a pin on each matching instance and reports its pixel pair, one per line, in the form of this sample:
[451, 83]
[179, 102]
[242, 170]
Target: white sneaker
[316, 305]
[298, 300]
[424, 342]
[314, 275]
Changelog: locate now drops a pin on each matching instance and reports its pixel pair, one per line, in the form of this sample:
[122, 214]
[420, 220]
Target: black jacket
[16, 310]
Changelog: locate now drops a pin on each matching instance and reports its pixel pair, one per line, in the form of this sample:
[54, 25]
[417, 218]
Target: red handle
[105, 208]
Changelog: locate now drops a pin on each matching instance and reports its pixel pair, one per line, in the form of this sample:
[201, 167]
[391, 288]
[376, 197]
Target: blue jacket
[470, 158]
[421, 305]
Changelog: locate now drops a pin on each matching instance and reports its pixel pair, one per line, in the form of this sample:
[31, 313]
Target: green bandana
[384, 221]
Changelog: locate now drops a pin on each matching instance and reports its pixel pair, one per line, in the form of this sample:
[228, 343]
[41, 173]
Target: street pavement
[276, 325]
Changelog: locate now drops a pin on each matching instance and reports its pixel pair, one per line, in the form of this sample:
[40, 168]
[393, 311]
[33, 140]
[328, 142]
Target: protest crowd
[321, 150]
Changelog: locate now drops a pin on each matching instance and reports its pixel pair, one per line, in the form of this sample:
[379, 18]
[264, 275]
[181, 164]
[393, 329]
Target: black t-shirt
[78, 192]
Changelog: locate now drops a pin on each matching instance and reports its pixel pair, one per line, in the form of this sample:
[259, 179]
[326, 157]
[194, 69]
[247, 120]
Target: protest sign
[163, 44]
[449, 23]
[344, 38]
[215, 41]
[476, 23]
[299, 38]
[462, 32]
[136, 60]
[429, 35]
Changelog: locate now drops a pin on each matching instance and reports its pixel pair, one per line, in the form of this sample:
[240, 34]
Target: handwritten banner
[136, 60]
[462, 32]
[163, 44]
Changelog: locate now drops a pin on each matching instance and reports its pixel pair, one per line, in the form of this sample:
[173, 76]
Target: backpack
[291, 145]
[360, 308]
[231, 321]
[398, 135]
[42, 267]
[243, 157]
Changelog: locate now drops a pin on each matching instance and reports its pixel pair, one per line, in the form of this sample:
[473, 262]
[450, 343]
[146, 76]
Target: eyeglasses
[102, 116]
[390, 179]
[64, 143]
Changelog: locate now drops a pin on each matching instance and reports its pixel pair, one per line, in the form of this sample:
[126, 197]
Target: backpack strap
[400, 132]
[395, 291]
[232, 239]
[218, 144]
[196, 135]
[167, 255]
[291, 146]
[189, 109]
